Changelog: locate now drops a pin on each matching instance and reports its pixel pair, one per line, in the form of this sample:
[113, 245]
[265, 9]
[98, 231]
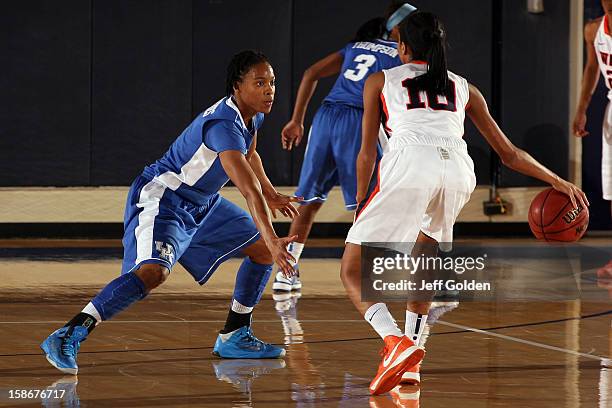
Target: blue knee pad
[251, 281]
[119, 294]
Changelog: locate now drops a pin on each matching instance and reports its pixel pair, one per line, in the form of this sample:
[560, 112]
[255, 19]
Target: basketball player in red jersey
[425, 176]
[598, 39]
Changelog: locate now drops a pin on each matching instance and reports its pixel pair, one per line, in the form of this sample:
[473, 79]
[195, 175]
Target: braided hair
[239, 65]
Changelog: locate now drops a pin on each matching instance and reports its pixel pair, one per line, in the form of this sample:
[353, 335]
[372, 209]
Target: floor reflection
[241, 373]
[307, 386]
[405, 396]
[62, 394]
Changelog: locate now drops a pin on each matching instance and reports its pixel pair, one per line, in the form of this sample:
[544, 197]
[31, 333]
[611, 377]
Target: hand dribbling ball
[552, 217]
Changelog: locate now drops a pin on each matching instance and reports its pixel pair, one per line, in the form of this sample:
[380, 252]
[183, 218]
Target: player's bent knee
[263, 258]
[152, 275]
[259, 253]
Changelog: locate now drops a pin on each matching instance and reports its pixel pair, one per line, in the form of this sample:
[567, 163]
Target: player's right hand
[579, 125]
[292, 134]
[575, 194]
[282, 257]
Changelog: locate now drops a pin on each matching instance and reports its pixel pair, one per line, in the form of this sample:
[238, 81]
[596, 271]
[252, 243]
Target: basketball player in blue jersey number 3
[174, 213]
[334, 139]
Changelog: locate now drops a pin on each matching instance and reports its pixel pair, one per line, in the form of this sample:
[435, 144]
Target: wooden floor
[158, 353]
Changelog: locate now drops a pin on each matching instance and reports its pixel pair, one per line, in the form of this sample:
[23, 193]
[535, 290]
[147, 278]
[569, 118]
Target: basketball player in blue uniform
[335, 136]
[174, 213]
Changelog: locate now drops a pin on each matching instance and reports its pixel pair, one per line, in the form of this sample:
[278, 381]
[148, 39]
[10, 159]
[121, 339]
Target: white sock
[415, 324]
[91, 310]
[381, 320]
[240, 308]
[295, 249]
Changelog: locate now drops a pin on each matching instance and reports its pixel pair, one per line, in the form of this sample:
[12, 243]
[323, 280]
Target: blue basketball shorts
[163, 228]
[330, 159]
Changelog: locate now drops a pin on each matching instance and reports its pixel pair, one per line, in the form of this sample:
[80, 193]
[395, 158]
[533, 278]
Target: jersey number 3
[434, 101]
[364, 62]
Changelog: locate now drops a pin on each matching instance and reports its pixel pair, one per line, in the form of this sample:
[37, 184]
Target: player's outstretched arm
[590, 77]
[274, 199]
[293, 131]
[369, 132]
[239, 171]
[513, 157]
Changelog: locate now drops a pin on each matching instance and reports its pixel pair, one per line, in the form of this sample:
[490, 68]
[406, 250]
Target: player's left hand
[282, 203]
[292, 134]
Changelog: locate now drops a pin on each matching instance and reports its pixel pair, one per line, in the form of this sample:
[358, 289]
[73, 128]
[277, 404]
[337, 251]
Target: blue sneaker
[241, 343]
[61, 349]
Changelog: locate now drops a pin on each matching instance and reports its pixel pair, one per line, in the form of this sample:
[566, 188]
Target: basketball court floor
[158, 353]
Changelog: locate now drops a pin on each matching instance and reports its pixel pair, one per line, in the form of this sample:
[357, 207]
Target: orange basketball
[552, 218]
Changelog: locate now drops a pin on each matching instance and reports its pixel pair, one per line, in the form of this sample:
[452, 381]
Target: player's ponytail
[239, 65]
[425, 35]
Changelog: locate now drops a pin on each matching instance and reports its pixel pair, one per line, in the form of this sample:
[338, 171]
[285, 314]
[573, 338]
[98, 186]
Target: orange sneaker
[412, 376]
[406, 396]
[398, 355]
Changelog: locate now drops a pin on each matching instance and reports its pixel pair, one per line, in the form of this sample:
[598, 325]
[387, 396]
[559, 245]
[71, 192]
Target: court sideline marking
[523, 341]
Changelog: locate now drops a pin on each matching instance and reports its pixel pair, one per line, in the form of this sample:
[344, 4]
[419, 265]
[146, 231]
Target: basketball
[552, 218]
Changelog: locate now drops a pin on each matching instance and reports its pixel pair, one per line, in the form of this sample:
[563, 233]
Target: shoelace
[70, 346]
[250, 338]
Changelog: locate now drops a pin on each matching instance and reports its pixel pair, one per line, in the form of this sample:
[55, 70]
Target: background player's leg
[300, 226]
[317, 177]
[346, 144]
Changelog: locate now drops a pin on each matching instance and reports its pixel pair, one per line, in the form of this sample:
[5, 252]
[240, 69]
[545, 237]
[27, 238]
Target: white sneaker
[296, 283]
[283, 284]
[437, 309]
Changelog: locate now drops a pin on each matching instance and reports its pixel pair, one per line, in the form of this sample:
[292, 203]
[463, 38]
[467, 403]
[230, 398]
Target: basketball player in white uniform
[598, 43]
[425, 176]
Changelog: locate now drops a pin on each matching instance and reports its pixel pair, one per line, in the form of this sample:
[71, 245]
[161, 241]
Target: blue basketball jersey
[360, 60]
[191, 167]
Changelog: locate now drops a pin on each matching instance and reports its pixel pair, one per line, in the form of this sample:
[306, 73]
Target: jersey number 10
[434, 101]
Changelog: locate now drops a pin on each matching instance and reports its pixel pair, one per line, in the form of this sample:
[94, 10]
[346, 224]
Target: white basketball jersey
[412, 115]
[603, 48]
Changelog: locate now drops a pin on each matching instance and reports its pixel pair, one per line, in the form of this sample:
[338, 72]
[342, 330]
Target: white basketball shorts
[421, 187]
